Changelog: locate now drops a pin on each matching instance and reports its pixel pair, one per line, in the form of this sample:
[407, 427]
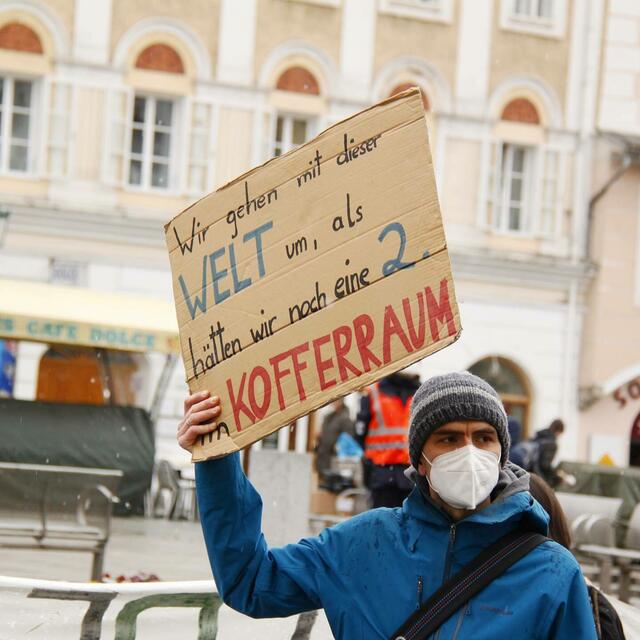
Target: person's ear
[422, 468]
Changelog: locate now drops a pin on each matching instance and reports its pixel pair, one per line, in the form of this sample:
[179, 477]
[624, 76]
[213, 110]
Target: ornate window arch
[17, 36]
[511, 383]
[160, 57]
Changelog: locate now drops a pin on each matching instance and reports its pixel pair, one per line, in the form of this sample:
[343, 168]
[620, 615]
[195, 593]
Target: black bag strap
[472, 579]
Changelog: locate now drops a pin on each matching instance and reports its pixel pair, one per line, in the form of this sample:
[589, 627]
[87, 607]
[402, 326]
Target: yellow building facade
[118, 114]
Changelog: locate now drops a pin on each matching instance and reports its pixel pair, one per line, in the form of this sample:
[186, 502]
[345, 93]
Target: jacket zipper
[447, 564]
[420, 586]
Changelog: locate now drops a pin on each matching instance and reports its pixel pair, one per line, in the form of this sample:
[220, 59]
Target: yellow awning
[75, 316]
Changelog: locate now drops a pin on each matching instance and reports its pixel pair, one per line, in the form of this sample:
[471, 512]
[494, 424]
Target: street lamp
[4, 224]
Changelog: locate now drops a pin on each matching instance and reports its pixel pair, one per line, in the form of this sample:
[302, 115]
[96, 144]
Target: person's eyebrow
[448, 432]
[485, 432]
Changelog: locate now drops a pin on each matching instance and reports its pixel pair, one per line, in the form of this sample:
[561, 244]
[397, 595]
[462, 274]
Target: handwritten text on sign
[313, 275]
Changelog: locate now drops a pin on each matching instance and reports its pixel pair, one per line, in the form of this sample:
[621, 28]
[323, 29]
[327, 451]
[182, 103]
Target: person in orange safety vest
[382, 426]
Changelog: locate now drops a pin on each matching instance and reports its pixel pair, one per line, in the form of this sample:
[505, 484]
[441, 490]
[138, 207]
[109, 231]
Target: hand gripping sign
[313, 275]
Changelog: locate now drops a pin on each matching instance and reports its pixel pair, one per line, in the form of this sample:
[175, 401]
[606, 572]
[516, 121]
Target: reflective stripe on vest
[385, 443]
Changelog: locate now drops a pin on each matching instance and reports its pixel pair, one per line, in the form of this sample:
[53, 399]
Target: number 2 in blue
[391, 266]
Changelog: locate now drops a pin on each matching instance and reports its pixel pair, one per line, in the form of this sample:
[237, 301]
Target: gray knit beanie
[451, 397]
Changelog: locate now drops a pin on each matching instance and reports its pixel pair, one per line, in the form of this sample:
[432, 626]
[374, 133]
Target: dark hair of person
[558, 525]
[557, 426]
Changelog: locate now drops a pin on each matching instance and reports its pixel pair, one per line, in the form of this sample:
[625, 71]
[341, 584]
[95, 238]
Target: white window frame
[287, 142]
[534, 205]
[175, 151]
[430, 10]
[33, 145]
[553, 27]
[503, 189]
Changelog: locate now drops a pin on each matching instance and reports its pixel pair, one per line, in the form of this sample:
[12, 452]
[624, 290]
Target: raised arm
[250, 577]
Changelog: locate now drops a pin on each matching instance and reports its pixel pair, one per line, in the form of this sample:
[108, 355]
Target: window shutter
[493, 191]
[59, 129]
[117, 127]
[201, 161]
[550, 190]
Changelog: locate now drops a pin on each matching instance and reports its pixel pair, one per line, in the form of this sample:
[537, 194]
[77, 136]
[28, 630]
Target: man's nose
[467, 440]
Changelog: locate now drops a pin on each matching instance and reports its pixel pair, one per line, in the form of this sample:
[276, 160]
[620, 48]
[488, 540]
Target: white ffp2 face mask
[465, 477]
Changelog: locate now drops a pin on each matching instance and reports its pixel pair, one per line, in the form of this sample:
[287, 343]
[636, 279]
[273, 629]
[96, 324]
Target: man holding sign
[374, 572]
[312, 276]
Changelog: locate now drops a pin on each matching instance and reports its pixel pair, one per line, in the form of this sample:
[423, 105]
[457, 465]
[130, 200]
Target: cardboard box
[313, 275]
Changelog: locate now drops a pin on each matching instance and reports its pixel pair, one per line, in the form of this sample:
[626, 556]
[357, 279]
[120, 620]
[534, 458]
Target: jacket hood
[510, 499]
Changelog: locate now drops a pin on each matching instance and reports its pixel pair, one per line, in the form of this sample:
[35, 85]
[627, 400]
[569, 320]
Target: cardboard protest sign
[313, 275]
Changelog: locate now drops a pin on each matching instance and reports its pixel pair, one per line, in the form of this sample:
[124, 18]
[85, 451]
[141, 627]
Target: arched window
[19, 37]
[18, 102]
[524, 190]
[160, 57]
[292, 129]
[521, 110]
[512, 385]
[408, 85]
[298, 80]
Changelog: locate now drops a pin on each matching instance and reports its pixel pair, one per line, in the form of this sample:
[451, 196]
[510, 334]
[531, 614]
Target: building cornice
[86, 225]
[546, 272]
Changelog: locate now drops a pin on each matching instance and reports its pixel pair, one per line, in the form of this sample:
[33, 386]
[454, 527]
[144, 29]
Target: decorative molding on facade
[427, 77]
[325, 70]
[46, 17]
[172, 27]
[522, 270]
[527, 85]
[97, 227]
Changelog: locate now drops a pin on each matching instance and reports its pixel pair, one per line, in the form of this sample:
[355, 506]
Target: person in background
[547, 443]
[608, 624]
[382, 425]
[515, 430]
[336, 422]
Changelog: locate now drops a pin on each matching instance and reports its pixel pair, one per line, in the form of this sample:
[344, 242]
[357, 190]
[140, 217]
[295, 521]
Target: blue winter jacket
[372, 571]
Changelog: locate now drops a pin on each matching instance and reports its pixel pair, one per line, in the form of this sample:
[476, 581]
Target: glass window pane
[279, 129]
[523, 7]
[500, 375]
[22, 93]
[161, 144]
[135, 172]
[514, 218]
[20, 126]
[299, 132]
[18, 158]
[544, 8]
[139, 109]
[164, 110]
[159, 175]
[1, 90]
[518, 159]
[516, 190]
[136, 140]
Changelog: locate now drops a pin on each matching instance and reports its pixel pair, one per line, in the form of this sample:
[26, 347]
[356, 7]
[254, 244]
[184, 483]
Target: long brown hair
[558, 525]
